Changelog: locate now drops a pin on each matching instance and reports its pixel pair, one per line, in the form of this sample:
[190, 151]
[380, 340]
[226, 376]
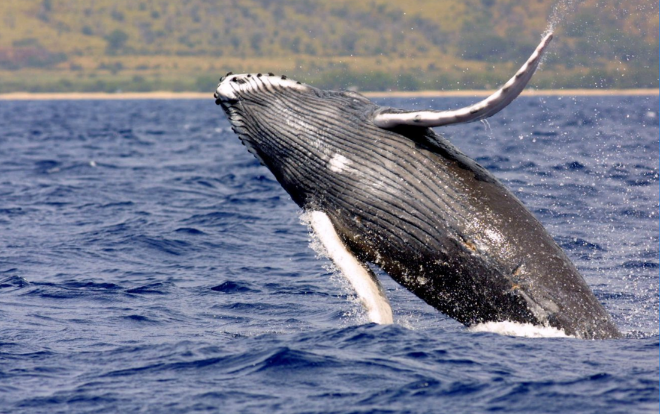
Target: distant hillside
[105, 45]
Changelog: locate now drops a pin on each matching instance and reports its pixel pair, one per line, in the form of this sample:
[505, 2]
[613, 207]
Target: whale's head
[290, 126]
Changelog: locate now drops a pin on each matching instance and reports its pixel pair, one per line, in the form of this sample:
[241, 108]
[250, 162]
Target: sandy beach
[26, 96]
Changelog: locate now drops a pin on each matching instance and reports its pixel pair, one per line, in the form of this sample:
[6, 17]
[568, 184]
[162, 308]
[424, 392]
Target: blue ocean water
[148, 263]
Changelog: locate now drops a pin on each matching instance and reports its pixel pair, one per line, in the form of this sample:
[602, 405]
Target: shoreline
[27, 96]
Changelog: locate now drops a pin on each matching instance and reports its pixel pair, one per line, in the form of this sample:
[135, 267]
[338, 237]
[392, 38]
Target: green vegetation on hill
[142, 45]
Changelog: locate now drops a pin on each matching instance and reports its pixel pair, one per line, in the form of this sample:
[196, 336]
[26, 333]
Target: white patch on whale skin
[366, 286]
[338, 163]
[494, 235]
[526, 330]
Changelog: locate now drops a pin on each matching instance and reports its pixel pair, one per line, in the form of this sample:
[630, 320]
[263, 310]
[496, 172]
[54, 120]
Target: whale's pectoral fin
[391, 118]
[363, 280]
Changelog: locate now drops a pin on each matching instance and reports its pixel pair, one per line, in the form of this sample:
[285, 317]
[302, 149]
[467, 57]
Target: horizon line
[44, 96]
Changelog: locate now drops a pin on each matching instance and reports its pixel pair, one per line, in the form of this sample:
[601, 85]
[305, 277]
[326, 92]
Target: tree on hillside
[116, 41]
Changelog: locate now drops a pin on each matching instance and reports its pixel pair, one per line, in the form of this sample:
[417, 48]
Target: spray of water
[560, 10]
[489, 131]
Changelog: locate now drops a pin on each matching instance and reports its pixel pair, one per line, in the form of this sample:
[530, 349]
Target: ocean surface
[148, 263]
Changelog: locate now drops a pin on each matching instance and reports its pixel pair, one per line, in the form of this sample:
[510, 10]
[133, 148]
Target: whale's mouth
[234, 87]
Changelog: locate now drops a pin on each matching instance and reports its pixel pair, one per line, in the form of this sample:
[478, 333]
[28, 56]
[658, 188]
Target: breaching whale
[381, 187]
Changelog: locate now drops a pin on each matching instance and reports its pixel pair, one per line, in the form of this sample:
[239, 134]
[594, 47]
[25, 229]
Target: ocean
[148, 263]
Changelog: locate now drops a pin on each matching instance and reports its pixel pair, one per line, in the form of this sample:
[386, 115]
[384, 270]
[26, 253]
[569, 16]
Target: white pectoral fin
[488, 107]
[362, 279]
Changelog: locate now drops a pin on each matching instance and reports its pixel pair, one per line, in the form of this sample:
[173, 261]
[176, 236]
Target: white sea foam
[519, 329]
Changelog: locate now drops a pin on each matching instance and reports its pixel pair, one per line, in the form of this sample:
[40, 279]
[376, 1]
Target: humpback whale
[381, 187]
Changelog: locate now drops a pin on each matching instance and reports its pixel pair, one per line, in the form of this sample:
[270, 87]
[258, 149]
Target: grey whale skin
[404, 198]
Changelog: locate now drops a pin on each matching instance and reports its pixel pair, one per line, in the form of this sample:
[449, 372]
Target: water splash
[489, 130]
[519, 329]
[560, 10]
